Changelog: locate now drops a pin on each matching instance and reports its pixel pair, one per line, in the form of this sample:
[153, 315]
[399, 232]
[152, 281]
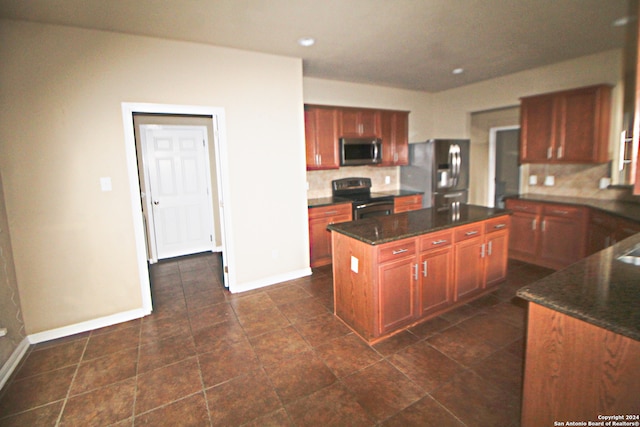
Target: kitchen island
[582, 357]
[392, 272]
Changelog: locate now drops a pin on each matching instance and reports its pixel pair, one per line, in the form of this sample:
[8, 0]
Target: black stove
[365, 203]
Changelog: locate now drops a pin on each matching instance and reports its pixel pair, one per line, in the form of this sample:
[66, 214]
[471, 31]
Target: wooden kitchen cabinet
[562, 235]
[359, 123]
[321, 137]
[380, 289]
[468, 255]
[606, 230]
[319, 236]
[407, 203]
[396, 290]
[570, 126]
[435, 286]
[496, 250]
[394, 127]
[549, 235]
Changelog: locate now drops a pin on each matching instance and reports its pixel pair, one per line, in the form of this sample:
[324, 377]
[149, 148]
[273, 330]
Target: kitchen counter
[626, 210]
[599, 289]
[384, 229]
[582, 355]
[330, 200]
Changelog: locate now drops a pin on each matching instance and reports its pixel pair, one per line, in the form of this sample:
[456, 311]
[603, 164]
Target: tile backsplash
[320, 181]
[574, 181]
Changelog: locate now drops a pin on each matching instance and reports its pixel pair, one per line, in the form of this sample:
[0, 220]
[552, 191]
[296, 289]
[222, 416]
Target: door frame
[491, 188]
[151, 220]
[222, 171]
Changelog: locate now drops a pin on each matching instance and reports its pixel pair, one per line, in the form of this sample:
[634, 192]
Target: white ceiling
[411, 44]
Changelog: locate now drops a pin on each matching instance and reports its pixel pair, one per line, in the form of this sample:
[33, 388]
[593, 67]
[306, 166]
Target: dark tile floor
[275, 356]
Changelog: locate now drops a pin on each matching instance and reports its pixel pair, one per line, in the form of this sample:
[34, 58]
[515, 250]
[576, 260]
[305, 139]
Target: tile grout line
[73, 379]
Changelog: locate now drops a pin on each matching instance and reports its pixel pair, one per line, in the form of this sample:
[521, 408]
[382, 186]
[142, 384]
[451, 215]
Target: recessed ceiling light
[306, 41]
[458, 70]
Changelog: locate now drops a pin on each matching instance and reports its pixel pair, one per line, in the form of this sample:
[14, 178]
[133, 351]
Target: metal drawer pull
[424, 271]
[331, 212]
[490, 248]
[415, 271]
[439, 242]
[499, 226]
[533, 224]
[399, 251]
[559, 212]
[471, 233]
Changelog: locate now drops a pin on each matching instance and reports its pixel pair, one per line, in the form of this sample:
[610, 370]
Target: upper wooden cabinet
[321, 137]
[394, 126]
[359, 122]
[325, 125]
[570, 126]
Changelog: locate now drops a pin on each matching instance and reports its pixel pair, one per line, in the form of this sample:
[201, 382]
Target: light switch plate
[105, 183]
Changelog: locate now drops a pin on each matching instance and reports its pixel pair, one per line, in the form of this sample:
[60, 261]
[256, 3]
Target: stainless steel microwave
[360, 151]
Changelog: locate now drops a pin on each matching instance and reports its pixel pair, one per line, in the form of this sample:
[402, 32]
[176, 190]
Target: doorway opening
[504, 168]
[213, 166]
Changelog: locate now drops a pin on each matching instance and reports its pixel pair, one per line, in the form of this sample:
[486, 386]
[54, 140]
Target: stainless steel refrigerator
[440, 169]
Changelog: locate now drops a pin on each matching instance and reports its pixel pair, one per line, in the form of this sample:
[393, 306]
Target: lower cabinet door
[435, 278]
[469, 275]
[496, 257]
[396, 293]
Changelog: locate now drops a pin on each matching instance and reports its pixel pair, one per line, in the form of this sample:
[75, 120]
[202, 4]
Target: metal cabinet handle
[499, 226]
[559, 212]
[490, 248]
[415, 271]
[560, 152]
[543, 225]
[439, 242]
[534, 224]
[424, 268]
[471, 233]
[156, 202]
[549, 152]
[399, 251]
[482, 251]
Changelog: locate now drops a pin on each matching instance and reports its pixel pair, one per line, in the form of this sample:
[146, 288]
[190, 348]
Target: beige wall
[10, 311]
[61, 130]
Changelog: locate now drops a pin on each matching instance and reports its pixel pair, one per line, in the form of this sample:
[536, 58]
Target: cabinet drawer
[469, 231]
[563, 211]
[496, 224]
[331, 210]
[523, 206]
[395, 250]
[405, 201]
[436, 240]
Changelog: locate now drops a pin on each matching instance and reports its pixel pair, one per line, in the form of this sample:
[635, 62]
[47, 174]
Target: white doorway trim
[220, 146]
[491, 192]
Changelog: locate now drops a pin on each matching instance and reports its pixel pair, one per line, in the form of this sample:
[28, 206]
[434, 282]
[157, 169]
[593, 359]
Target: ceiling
[410, 44]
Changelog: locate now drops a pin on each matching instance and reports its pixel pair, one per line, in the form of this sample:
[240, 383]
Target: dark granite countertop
[327, 201]
[384, 229]
[599, 289]
[627, 210]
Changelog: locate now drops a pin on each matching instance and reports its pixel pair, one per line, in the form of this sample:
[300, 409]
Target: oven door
[370, 209]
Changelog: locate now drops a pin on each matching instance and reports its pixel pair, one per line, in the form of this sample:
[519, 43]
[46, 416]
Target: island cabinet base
[576, 371]
[380, 290]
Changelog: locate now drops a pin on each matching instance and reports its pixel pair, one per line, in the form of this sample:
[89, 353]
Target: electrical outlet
[387, 180]
[533, 179]
[549, 181]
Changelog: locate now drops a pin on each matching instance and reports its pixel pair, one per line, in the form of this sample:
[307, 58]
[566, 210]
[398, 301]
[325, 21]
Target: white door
[179, 196]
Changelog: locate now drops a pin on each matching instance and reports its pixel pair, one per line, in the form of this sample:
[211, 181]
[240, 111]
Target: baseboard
[271, 280]
[14, 360]
[89, 325]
